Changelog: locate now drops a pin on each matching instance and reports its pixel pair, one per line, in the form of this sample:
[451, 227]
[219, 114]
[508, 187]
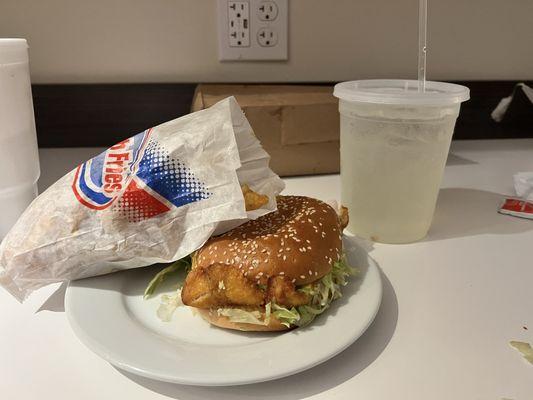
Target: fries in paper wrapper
[155, 197]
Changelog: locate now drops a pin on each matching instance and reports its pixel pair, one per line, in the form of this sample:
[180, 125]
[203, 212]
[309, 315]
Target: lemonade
[392, 160]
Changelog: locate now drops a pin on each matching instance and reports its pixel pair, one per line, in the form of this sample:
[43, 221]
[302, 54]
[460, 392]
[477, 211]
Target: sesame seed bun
[301, 241]
[221, 321]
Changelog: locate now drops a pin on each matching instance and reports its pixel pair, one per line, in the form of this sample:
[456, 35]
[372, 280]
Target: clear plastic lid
[13, 51]
[401, 91]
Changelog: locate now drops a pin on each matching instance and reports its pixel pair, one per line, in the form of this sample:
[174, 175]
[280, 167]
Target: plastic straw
[422, 30]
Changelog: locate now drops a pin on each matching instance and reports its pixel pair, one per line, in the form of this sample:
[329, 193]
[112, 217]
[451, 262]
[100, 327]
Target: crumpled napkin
[522, 205]
[155, 197]
[523, 184]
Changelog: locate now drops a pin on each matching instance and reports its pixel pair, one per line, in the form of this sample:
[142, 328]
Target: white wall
[329, 40]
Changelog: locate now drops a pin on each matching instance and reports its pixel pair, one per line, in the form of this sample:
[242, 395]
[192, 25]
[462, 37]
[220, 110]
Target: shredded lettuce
[322, 293]
[285, 316]
[242, 316]
[169, 303]
[164, 273]
[268, 311]
[247, 317]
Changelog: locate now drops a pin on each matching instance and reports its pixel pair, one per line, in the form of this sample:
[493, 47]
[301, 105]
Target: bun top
[301, 241]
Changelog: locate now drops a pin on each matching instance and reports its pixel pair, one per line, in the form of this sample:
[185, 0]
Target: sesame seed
[310, 273]
[302, 276]
[294, 280]
[282, 273]
[284, 257]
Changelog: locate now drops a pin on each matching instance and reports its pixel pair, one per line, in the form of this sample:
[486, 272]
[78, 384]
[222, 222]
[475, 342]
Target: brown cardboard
[297, 125]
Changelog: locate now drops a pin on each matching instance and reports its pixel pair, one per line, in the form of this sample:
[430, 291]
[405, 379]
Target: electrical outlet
[239, 23]
[267, 11]
[266, 37]
[252, 30]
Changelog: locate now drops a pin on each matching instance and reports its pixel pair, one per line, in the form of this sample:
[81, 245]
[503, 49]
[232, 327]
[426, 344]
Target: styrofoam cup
[19, 159]
[13, 202]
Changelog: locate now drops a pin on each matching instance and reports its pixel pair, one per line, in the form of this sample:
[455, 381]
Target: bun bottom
[222, 321]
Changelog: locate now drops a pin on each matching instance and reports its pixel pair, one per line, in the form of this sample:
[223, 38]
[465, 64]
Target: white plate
[110, 317]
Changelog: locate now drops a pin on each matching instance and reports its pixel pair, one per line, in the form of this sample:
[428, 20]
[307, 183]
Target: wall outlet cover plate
[253, 30]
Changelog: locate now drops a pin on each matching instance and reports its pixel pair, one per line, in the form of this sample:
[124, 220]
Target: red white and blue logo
[138, 178]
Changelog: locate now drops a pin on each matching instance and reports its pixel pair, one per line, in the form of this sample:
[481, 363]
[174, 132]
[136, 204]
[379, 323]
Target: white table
[451, 304]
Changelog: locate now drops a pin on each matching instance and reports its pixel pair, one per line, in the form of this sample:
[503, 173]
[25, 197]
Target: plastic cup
[394, 145]
[19, 159]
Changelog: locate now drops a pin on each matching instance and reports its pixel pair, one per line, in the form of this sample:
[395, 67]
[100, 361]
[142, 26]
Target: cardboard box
[297, 125]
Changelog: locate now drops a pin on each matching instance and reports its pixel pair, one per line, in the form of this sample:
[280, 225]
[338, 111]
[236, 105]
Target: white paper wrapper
[523, 184]
[155, 197]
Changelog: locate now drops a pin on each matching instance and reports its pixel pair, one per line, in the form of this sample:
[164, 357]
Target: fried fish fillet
[220, 285]
[282, 291]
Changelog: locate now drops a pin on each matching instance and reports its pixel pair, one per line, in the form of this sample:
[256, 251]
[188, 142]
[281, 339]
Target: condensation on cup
[394, 145]
[19, 159]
